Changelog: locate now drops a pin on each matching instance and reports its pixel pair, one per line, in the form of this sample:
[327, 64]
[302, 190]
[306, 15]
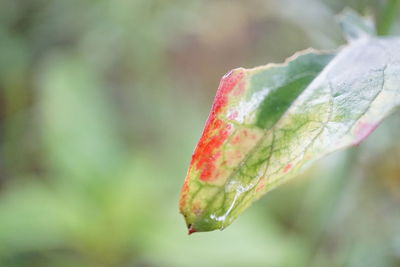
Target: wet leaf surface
[269, 123]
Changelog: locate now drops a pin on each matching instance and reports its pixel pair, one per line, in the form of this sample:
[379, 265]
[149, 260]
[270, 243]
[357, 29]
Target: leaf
[355, 27]
[269, 123]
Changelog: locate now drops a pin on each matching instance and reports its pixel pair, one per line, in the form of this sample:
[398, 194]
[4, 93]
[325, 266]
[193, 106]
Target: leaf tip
[191, 229]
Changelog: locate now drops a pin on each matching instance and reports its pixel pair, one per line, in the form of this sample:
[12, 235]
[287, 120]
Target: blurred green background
[102, 103]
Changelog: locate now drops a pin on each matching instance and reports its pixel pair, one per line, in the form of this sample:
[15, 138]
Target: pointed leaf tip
[191, 230]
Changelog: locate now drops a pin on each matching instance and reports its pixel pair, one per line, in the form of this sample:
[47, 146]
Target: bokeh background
[102, 103]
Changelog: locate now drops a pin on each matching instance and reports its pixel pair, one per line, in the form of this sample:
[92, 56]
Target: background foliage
[101, 105]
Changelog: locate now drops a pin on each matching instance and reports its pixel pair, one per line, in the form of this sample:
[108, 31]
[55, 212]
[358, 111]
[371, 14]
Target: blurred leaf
[79, 128]
[268, 123]
[355, 27]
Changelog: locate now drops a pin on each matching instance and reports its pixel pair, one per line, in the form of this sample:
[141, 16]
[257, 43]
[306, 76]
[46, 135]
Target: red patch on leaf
[235, 140]
[216, 131]
[260, 186]
[287, 167]
[233, 115]
[184, 192]
[240, 89]
[364, 129]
